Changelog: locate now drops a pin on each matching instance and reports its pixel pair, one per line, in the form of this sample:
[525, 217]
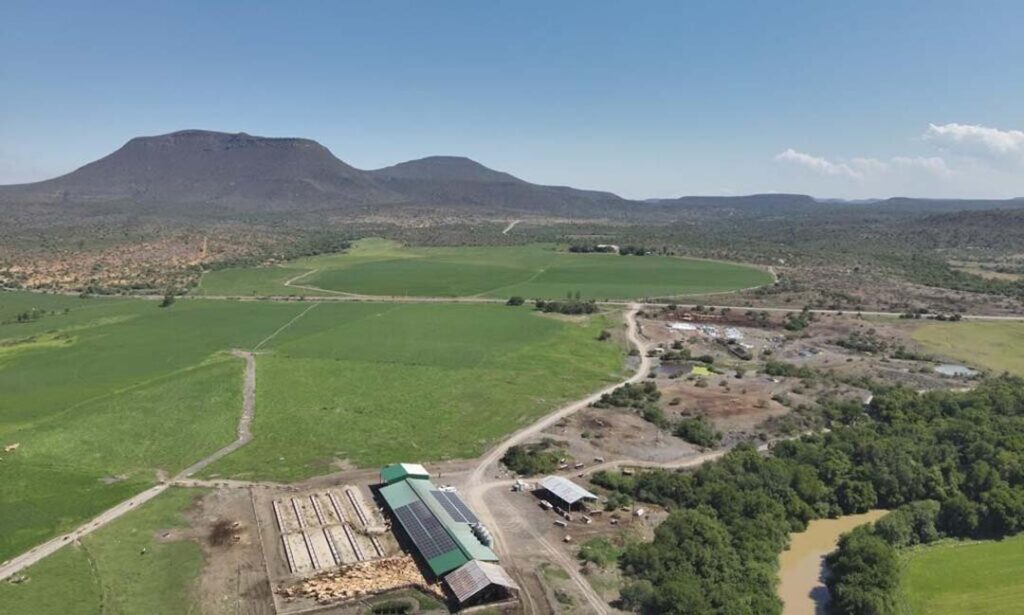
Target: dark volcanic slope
[448, 180]
[200, 167]
[239, 172]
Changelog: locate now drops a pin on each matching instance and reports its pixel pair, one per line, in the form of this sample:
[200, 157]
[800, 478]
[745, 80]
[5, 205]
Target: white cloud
[819, 165]
[863, 169]
[977, 141]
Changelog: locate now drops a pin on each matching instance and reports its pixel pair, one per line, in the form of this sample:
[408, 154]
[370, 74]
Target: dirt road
[477, 484]
[20, 562]
[511, 226]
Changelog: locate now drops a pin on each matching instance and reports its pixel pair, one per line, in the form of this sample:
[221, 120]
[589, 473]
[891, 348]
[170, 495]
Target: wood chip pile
[361, 579]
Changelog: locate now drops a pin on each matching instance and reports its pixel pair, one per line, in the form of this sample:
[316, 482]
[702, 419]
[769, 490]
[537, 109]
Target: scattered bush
[697, 431]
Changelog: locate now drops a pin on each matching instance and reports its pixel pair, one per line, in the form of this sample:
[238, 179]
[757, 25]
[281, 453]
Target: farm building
[565, 493]
[480, 582]
[401, 471]
[440, 527]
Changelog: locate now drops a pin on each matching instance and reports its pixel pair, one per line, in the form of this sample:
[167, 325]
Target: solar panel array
[425, 530]
[455, 507]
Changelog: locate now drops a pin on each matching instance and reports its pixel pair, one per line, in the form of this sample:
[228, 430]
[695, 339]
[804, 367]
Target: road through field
[477, 484]
[20, 562]
[511, 226]
[337, 295]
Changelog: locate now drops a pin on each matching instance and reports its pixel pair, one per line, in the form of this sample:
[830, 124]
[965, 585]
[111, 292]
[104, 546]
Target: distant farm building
[564, 493]
[445, 535]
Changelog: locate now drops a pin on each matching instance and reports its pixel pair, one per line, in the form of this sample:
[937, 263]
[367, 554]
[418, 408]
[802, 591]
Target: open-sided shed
[566, 493]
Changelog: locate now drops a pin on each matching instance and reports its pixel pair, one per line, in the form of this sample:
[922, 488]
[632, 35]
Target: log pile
[363, 578]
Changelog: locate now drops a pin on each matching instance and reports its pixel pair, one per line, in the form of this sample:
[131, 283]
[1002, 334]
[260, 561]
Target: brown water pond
[801, 568]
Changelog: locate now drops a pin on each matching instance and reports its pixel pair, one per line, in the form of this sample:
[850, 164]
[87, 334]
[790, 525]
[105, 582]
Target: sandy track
[511, 226]
[477, 484]
[20, 562]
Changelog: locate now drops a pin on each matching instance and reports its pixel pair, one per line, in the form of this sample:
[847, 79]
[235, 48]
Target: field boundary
[284, 326]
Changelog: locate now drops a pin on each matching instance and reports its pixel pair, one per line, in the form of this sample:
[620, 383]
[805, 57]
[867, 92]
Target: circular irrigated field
[531, 272]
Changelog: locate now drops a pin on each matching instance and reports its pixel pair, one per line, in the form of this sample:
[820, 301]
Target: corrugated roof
[398, 471]
[398, 495]
[475, 576]
[566, 490]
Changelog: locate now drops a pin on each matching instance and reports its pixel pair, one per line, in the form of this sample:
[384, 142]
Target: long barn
[444, 533]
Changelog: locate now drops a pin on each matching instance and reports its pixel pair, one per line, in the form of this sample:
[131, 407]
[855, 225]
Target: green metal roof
[399, 471]
[408, 490]
[443, 564]
[398, 495]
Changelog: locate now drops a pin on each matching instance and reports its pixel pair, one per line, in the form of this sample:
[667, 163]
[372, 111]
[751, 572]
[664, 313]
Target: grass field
[103, 396]
[992, 345]
[379, 267]
[108, 573]
[377, 383]
[954, 578]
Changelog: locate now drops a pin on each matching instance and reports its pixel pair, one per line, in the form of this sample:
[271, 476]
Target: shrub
[697, 431]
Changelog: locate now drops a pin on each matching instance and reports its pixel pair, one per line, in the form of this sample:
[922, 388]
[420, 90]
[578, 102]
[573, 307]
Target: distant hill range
[193, 171]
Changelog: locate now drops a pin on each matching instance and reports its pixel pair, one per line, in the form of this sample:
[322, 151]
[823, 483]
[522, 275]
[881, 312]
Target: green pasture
[384, 268]
[959, 578]
[376, 383]
[998, 346]
[109, 573]
[102, 395]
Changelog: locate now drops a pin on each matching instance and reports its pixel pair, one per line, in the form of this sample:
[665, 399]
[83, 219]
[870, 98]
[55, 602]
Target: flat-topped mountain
[248, 173]
[198, 167]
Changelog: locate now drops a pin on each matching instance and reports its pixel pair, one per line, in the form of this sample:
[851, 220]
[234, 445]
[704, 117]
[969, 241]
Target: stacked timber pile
[361, 579]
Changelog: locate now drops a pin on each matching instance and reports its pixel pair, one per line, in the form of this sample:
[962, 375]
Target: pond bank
[801, 585]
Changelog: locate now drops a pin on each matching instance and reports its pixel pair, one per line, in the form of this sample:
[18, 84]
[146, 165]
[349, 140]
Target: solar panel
[450, 507]
[459, 505]
[425, 530]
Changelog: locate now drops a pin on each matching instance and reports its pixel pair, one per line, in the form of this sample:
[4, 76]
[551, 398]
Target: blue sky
[647, 99]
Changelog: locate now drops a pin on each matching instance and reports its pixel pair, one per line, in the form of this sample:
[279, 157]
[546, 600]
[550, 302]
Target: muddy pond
[801, 568]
